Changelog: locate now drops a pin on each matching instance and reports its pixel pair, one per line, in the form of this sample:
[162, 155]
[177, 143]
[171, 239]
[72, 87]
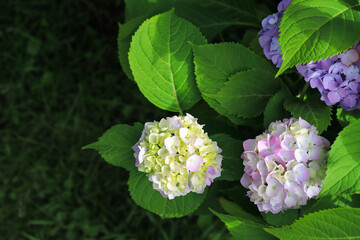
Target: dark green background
[61, 87]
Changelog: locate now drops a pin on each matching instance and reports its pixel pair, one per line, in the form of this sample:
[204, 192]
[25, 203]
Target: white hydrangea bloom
[178, 156]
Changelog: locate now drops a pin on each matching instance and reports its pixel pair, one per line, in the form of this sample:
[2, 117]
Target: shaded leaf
[281, 218]
[274, 109]
[347, 117]
[243, 230]
[343, 168]
[126, 31]
[234, 210]
[115, 145]
[232, 164]
[247, 92]
[313, 110]
[216, 63]
[338, 223]
[343, 201]
[142, 192]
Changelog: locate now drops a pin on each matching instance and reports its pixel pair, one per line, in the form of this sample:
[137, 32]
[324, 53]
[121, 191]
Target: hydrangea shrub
[214, 62]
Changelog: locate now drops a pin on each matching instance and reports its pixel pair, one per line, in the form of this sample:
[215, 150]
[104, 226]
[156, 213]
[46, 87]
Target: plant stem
[303, 91]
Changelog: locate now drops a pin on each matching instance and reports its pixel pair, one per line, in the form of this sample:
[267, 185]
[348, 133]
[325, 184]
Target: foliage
[196, 56]
[328, 224]
[343, 172]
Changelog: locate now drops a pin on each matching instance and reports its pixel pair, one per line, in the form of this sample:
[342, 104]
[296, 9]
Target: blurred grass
[61, 87]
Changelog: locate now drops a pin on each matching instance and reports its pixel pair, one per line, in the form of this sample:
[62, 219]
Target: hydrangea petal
[193, 163]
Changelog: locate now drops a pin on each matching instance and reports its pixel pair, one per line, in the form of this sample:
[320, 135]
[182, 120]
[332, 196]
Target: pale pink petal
[315, 153]
[350, 57]
[249, 145]
[290, 200]
[289, 142]
[141, 155]
[193, 163]
[171, 143]
[313, 191]
[301, 155]
[270, 162]
[245, 180]
[274, 187]
[262, 144]
[301, 172]
[262, 167]
[303, 123]
[286, 156]
[315, 139]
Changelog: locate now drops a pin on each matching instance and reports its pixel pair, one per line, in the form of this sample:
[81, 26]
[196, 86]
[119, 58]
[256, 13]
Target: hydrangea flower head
[178, 156]
[337, 78]
[269, 34]
[285, 166]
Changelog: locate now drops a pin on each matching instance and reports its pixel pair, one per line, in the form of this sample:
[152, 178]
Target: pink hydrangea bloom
[285, 166]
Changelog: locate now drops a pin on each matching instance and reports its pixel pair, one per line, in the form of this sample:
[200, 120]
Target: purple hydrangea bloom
[337, 78]
[269, 35]
[285, 166]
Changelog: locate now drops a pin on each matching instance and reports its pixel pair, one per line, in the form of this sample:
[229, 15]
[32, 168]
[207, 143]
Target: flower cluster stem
[303, 91]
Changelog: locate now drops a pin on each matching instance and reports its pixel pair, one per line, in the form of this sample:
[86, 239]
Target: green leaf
[274, 109]
[247, 92]
[216, 63]
[338, 223]
[126, 31]
[343, 201]
[115, 145]
[135, 8]
[232, 164]
[343, 168]
[255, 123]
[161, 61]
[142, 192]
[214, 122]
[281, 218]
[214, 16]
[313, 110]
[312, 30]
[243, 229]
[211, 16]
[234, 210]
[211, 200]
[347, 117]
[238, 194]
